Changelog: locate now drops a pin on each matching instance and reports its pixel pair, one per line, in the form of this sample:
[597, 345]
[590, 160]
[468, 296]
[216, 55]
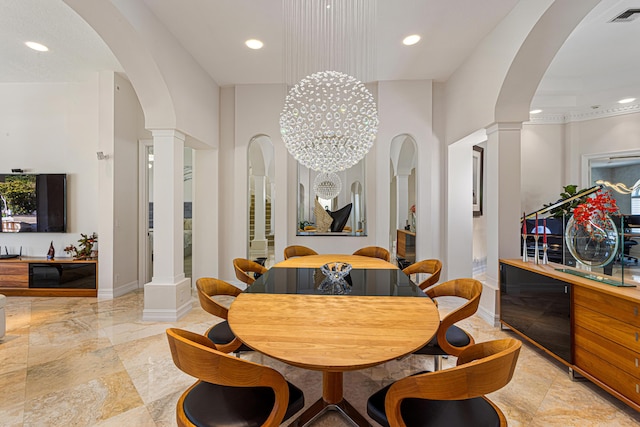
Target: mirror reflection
[330, 204]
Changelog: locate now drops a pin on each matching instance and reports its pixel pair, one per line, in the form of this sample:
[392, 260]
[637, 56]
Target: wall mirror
[341, 214]
[261, 198]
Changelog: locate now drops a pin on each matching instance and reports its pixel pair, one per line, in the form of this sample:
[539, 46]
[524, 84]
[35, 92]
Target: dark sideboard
[591, 327]
[36, 276]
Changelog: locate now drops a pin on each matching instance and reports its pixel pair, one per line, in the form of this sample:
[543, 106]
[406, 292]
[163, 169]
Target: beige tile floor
[83, 362]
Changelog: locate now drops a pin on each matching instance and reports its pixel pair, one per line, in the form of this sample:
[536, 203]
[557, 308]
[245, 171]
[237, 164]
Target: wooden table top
[317, 261]
[333, 332]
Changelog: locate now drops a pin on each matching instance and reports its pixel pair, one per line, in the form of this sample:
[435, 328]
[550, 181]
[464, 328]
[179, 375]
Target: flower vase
[413, 222]
[594, 242]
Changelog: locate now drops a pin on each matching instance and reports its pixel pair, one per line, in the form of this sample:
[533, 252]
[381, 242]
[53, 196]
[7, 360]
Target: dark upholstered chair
[229, 391]
[453, 397]
[245, 270]
[451, 339]
[374, 252]
[428, 266]
[297, 250]
[220, 333]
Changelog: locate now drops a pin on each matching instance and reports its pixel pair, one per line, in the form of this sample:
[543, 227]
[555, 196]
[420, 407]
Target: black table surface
[368, 282]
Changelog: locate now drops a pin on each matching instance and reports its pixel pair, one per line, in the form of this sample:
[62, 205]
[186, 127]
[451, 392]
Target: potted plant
[85, 247]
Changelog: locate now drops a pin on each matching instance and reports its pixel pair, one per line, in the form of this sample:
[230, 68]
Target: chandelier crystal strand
[330, 119]
[327, 185]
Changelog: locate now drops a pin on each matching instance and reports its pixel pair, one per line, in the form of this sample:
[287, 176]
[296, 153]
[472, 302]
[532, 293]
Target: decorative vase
[593, 243]
[335, 281]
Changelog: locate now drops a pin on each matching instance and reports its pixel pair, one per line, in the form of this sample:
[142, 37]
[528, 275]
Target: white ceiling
[597, 65]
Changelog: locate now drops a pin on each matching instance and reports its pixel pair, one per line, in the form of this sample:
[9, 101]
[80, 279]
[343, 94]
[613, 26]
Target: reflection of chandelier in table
[329, 120]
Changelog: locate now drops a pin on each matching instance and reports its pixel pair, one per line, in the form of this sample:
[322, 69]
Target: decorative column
[503, 206]
[259, 242]
[168, 296]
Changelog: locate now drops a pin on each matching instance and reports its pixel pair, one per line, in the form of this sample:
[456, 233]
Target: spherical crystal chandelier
[327, 185]
[329, 121]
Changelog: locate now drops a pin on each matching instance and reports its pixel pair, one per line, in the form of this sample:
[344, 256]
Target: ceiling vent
[627, 16]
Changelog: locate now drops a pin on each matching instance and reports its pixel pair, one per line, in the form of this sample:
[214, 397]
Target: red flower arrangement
[595, 209]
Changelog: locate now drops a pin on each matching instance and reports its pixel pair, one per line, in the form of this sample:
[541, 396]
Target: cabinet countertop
[549, 270]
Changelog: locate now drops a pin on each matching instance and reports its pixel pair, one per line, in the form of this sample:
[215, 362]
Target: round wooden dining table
[333, 334]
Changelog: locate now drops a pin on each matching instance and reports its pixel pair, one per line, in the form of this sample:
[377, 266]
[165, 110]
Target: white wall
[53, 128]
[128, 129]
[542, 165]
[406, 107]
[565, 145]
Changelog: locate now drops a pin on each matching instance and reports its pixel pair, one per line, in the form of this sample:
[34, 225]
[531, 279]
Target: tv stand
[38, 276]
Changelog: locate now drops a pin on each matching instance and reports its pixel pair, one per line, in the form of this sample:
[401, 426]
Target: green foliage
[85, 247]
[20, 193]
[566, 209]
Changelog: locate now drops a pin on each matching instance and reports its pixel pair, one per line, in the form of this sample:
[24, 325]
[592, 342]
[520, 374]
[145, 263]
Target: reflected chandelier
[330, 119]
[327, 185]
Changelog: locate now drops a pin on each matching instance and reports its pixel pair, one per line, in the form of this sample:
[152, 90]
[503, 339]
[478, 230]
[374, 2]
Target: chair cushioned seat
[222, 334]
[475, 412]
[221, 406]
[455, 336]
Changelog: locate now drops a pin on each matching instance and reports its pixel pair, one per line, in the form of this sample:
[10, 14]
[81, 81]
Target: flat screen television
[32, 203]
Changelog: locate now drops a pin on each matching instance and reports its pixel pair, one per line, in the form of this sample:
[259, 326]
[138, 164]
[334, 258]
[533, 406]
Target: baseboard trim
[112, 293]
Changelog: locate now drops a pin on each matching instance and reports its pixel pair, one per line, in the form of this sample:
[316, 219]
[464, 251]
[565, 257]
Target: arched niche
[403, 155]
[261, 194]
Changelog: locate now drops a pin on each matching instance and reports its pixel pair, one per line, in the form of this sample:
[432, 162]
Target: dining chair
[453, 397]
[220, 334]
[428, 266]
[450, 339]
[245, 270]
[297, 250]
[374, 252]
[229, 391]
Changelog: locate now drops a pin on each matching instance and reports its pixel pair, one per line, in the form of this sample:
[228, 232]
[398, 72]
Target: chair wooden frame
[298, 250]
[374, 252]
[469, 289]
[481, 369]
[197, 356]
[428, 266]
[244, 266]
[207, 288]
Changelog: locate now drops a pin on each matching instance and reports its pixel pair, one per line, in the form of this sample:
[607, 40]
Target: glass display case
[596, 247]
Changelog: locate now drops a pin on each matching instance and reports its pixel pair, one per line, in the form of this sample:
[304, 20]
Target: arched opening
[260, 199]
[402, 212]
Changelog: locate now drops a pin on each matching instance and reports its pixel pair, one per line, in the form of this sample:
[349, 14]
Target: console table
[406, 245]
[37, 276]
[591, 327]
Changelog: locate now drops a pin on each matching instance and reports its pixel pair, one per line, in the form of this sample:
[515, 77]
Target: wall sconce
[102, 156]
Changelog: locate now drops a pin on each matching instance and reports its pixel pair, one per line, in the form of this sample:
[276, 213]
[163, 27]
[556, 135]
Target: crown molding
[581, 116]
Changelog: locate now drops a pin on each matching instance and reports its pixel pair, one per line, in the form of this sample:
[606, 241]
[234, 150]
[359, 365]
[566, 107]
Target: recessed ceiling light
[535, 111]
[411, 40]
[626, 100]
[37, 46]
[254, 44]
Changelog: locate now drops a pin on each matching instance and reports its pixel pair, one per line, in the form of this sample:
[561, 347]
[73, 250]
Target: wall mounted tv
[33, 203]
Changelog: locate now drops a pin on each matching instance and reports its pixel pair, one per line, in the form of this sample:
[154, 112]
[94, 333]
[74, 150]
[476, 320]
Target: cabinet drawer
[14, 275]
[623, 310]
[609, 374]
[621, 333]
[622, 357]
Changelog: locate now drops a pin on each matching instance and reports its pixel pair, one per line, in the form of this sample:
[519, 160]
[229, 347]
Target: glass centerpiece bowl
[591, 235]
[335, 278]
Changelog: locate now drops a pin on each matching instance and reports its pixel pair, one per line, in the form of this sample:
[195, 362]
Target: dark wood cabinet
[42, 277]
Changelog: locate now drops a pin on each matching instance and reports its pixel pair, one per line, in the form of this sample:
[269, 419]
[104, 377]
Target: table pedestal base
[320, 407]
[332, 400]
